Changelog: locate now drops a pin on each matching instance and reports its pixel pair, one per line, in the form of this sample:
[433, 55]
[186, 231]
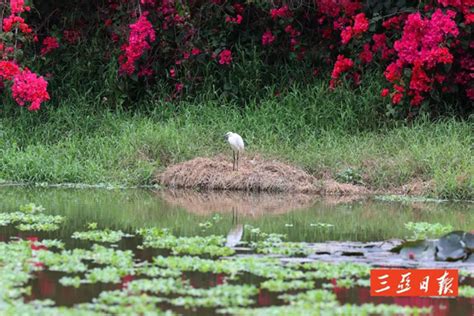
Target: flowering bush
[26, 86]
[424, 47]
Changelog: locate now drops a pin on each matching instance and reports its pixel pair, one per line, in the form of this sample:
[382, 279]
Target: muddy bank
[254, 174]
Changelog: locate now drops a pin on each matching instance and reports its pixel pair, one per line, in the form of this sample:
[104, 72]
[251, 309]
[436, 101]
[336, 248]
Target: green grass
[324, 132]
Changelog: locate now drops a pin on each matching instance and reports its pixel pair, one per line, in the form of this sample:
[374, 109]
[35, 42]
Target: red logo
[413, 282]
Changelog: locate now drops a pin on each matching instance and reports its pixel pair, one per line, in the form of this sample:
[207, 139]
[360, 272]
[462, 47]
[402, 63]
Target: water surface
[182, 211]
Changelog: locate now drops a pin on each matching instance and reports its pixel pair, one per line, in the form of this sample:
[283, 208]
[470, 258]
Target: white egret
[237, 144]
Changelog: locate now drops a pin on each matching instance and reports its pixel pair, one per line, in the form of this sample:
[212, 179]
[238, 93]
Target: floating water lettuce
[31, 221]
[274, 244]
[424, 230]
[106, 235]
[212, 245]
[285, 285]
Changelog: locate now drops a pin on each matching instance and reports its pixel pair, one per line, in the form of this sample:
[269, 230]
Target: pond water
[297, 216]
[301, 218]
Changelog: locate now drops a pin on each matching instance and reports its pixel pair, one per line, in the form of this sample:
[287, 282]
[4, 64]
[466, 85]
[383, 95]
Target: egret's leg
[233, 162]
[237, 161]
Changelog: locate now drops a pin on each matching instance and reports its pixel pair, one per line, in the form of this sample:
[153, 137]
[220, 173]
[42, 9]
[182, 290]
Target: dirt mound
[242, 203]
[254, 174]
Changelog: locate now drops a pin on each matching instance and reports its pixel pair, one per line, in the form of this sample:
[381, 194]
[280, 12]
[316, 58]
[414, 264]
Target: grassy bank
[325, 133]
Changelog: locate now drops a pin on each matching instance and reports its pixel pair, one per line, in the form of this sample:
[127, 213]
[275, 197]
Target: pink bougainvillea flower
[361, 24]
[15, 21]
[8, 69]
[384, 92]
[141, 35]
[342, 65]
[18, 6]
[225, 57]
[397, 97]
[282, 12]
[29, 88]
[346, 35]
[268, 38]
[366, 55]
[50, 43]
[178, 87]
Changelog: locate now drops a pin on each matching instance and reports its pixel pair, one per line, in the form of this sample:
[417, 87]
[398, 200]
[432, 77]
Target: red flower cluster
[421, 47]
[8, 69]
[342, 65]
[18, 6]
[333, 8]
[225, 57]
[282, 12]
[361, 25]
[236, 20]
[366, 55]
[141, 35]
[15, 21]
[50, 43]
[29, 88]
[422, 38]
[268, 38]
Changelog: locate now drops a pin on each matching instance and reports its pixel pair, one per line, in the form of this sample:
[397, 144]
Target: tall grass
[322, 131]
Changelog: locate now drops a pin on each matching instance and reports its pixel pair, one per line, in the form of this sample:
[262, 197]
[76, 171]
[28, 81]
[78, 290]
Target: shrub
[424, 47]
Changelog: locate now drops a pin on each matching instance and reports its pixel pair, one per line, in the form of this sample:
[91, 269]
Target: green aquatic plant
[51, 243]
[31, 208]
[105, 275]
[329, 310]
[37, 227]
[31, 218]
[270, 243]
[311, 297]
[286, 285]
[122, 303]
[163, 239]
[424, 230]
[225, 295]
[328, 270]
[106, 235]
[122, 259]
[210, 223]
[15, 269]
[466, 291]
[70, 261]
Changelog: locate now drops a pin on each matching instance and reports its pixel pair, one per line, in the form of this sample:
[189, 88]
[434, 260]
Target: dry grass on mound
[254, 174]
